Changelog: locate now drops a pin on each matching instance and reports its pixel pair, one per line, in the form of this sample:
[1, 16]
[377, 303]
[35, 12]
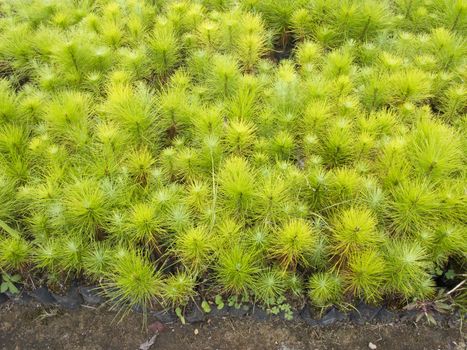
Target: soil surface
[36, 327]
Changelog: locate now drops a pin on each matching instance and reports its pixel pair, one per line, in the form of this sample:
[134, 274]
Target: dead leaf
[147, 344]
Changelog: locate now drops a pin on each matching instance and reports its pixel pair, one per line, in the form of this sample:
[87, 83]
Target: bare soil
[35, 327]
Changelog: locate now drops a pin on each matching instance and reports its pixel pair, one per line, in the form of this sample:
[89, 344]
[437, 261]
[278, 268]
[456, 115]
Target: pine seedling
[249, 49]
[8, 102]
[210, 154]
[184, 15]
[208, 122]
[258, 239]
[223, 77]
[164, 48]
[133, 109]
[236, 270]
[229, 29]
[111, 33]
[413, 207]
[240, 136]
[408, 265]
[174, 111]
[269, 286]
[134, 282]
[338, 144]
[302, 24]
[198, 195]
[194, 249]
[354, 230]
[140, 163]
[325, 289]
[228, 231]
[73, 56]
[271, 197]
[178, 289]
[447, 240]
[14, 252]
[318, 182]
[236, 186]
[67, 117]
[308, 55]
[97, 260]
[186, 163]
[435, 150]
[46, 255]
[13, 140]
[367, 275]
[278, 16]
[321, 253]
[294, 284]
[454, 102]
[338, 62]
[451, 14]
[110, 136]
[374, 198]
[345, 187]
[287, 95]
[143, 225]
[375, 91]
[135, 61]
[86, 206]
[447, 47]
[72, 248]
[392, 163]
[410, 85]
[245, 102]
[7, 198]
[252, 44]
[282, 145]
[166, 197]
[208, 34]
[179, 218]
[293, 244]
[375, 17]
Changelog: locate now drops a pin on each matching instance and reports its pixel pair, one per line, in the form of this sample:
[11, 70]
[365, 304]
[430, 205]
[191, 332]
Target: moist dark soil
[37, 327]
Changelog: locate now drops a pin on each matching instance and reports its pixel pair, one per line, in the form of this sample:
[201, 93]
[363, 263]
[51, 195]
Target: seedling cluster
[254, 150]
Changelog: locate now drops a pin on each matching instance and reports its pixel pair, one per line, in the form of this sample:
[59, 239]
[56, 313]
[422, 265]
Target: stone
[165, 316]
[90, 296]
[71, 301]
[409, 315]
[43, 296]
[307, 316]
[240, 312]
[260, 314]
[364, 313]
[385, 316]
[195, 315]
[372, 346]
[215, 312]
[23, 298]
[332, 316]
[3, 298]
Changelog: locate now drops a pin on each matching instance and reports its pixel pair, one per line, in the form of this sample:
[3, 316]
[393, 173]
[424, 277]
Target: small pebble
[196, 331]
[372, 346]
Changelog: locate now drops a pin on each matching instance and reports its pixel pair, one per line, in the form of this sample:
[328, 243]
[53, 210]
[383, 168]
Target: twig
[456, 287]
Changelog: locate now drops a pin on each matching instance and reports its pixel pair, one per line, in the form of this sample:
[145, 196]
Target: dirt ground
[30, 327]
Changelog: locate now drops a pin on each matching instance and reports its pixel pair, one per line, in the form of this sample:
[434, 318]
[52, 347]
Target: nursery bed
[233, 153]
[36, 327]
